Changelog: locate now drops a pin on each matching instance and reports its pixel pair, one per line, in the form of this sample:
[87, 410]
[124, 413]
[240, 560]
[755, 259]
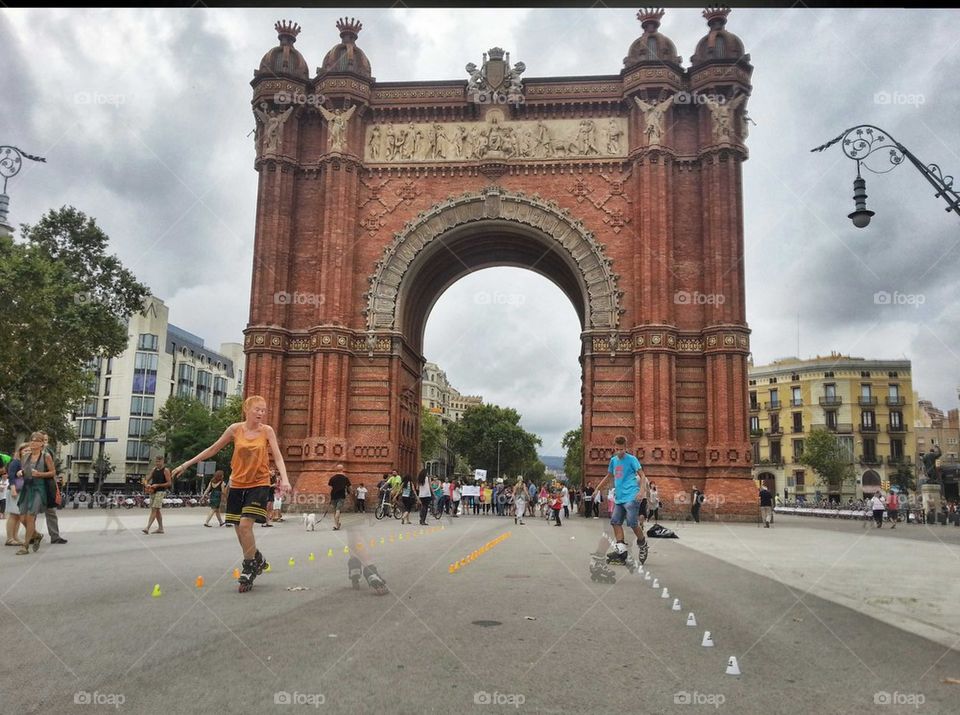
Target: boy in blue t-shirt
[630, 490]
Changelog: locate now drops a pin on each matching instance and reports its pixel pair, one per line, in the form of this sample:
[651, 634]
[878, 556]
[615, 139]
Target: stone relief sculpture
[722, 115]
[337, 120]
[653, 116]
[272, 127]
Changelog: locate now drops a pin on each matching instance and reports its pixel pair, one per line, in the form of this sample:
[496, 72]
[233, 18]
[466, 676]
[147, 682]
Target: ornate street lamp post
[862, 141]
[11, 161]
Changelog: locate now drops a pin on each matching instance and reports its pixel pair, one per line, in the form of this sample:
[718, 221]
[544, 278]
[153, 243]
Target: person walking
[407, 494]
[654, 505]
[361, 499]
[50, 512]
[455, 495]
[215, 491]
[156, 486]
[893, 508]
[425, 493]
[630, 500]
[876, 504]
[273, 489]
[556, 505]
[37, 466]
[253, 440]
[487, 498]
[565, 497]
[339, 488]
[519, 500]
[445, 496]
[766, 506]
[695, 505]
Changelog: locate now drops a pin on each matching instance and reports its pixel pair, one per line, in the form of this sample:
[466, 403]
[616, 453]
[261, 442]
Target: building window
[831, 419]
[798, 478]
[797, 422]
[105, 412]
[219, 392]
[846, 447]
[753, 399]
[141, 405]
[830, 391]
[109, 366]
[868, 419]
[754, 425]
[795, 399]
[86, 428]
[147, 342]
[774, 423]
[106, 386]
[204, 386]
[797, 449]
[893, 391]
[138, 451]
[84, 450]
[756, 452]
[869, 450]
[89, 407]
[774, 398]
[896, 420]
[775, 454]
[896, 448]
[145, 373]
[139, 427]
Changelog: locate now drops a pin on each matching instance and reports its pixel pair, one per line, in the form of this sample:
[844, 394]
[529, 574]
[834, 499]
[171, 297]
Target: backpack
[661, 532]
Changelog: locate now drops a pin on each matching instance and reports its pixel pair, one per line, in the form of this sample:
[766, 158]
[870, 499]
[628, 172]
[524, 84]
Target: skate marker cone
[372, 543]
[707, 640]
[401, 536]
[691, 619]
[346, 549]
[329, 552]
[292, 562]
[236, 573]
[656, 584]
[199, 581]
[646, 576]
[267, 569]
[732, 667]
[156, 591]
[676, 605]
[311, 557]
[665, 593]
[381, 540]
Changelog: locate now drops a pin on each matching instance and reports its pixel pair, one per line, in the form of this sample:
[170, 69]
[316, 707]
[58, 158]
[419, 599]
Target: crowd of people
[893, 506]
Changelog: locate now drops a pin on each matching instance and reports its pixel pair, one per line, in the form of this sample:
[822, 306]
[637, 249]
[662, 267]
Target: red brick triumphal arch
[623, 189]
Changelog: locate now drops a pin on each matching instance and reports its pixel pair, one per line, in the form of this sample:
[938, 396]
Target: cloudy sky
[143, 116]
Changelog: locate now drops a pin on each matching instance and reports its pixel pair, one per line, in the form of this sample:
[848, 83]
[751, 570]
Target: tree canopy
[477, 433]
[573, 461]
[822, 453]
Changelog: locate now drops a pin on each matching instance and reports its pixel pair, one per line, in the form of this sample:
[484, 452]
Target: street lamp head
[861, 216]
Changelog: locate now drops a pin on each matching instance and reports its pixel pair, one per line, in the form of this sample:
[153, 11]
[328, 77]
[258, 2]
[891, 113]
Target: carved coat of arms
[495, 82]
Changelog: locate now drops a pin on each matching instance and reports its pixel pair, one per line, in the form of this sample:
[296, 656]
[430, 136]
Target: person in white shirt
[565, 497]
[425, 493]
[361, 499]
[878, 507]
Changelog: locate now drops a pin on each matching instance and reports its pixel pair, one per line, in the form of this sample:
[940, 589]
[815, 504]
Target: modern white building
[127, 392]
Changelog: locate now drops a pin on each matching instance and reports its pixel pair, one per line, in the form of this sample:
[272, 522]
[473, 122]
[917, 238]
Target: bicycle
[387, 507]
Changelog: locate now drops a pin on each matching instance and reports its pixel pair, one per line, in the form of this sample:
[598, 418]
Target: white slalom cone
[691, 619]
[732, 667]
[676, 605]
[707, 640]
[656, 584]
[665, 594]
[646, 576]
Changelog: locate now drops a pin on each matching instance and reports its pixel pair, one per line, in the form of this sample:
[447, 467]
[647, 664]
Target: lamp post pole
[863, 140]
[11, 161]
[499, 442]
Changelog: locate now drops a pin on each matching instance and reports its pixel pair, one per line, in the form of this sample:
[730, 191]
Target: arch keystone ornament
[374, 202]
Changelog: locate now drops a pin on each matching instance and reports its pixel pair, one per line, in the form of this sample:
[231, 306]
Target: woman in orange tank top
[253, 443]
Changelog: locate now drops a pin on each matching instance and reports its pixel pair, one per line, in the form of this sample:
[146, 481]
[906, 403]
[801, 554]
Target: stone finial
[649, 18]
[287, 31]
[716, 16]
[349, 29]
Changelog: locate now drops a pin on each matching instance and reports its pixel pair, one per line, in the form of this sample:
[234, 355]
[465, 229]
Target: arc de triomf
[623, 189]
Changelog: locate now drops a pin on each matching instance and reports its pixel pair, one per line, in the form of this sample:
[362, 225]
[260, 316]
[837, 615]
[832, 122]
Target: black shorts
[642, 511]
[892, 513]
[248, 503]
[408, 502]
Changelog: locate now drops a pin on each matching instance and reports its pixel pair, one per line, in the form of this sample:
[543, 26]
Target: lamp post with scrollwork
[11, 161]
[864, 140]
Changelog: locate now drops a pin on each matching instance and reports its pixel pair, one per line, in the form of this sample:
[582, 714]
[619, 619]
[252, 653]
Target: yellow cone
[199, 581]
[236, 573]
[372, 543]
[311, 557]
[267, 570]
[156, 591]
[346, 549]
[292, 562]
[381, 540]
[329, 552]
[401, 537]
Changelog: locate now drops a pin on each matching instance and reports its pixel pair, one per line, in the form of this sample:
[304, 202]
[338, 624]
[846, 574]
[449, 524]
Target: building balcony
[837, 428]
[871, 460]
[895, 461]
[756, 433]
[772, 405]
[754, 406]
[831, 401]
[773, 431]
[869, 429]
[896, 429]
[867, 401]
[796, 402]
[896, 402]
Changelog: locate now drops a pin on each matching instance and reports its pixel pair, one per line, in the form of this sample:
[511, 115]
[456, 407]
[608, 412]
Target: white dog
[310, 522]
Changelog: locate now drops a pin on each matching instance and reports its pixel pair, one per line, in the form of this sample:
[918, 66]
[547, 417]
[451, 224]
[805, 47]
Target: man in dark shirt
[339, 488]
[766, 505]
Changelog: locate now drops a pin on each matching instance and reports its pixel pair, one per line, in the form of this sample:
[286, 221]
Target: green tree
[432, 435]
[477, 433]
[536, 471]
[230, 413]
[822, 453]
[903, 477]
[65, 302]
[102, 468]
[573, 461]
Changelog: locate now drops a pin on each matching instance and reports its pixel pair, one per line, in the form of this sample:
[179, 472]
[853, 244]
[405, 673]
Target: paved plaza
[821, 616]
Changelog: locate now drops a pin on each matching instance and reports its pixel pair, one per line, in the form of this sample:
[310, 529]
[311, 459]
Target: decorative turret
[651, 46]
[285, 59]
[719, 44]
[346, 56]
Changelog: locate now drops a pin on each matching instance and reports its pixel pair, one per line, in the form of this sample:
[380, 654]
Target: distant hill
[555, 463]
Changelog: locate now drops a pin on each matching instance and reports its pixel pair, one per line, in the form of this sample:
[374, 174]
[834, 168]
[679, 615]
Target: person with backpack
[766, 506]
[215, 491]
